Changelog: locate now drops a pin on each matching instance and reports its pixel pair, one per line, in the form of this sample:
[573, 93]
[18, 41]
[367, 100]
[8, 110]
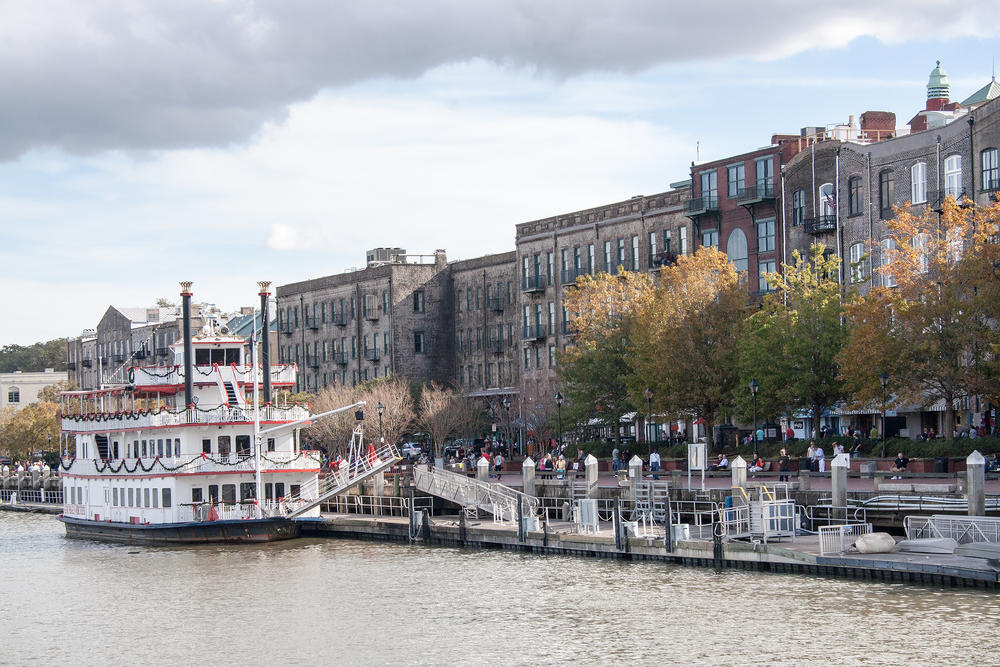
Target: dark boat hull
[250, 531]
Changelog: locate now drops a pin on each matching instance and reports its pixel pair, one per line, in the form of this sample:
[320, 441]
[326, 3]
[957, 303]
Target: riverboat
[188, 454]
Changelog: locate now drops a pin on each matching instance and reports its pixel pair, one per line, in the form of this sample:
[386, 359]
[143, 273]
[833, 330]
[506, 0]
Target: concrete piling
[976, 483]
[528, 477]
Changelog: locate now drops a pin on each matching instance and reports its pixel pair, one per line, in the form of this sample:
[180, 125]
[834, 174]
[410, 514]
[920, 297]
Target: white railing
[35, 496]
[499, 500]
[374, 505]
[961, 529]
[131, 421]
[308, 460]
[159, 376]
[735, 521]
[778, 518]
[837, 539]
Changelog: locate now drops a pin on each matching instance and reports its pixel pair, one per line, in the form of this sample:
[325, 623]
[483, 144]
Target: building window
[354, 347]
[736, 179]
[13, 395]
[510, 294]
[682, 247]
[552, 318]
[770, 266]
[858, 272]
[479, 298]
[710, 238]
[710, 189]
[468, 298]
[886, 194]
[827, 201]
[991, 172]
[590, 259]
[953, 176]
[888, 246]
[527, 358]
[635, 253]
[666, 240]
[552, 356]
[855, 205]
[564, 259]
[479, 338]
[419, 346]
[918, 183]
[621, 251]
[765, 236]
[607, 256]
[920, 246]
[652, 248]
[418, 301]
[736, 249]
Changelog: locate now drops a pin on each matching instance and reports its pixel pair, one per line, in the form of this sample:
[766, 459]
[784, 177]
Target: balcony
[700, 205]
[87, 363]
[118, 358]
[371, 314]
[535, 332]
[312, 323]
[534, 284]
[821, 225]
[141, 354]
[569, 276]
[71, 365]
[567, 329]
[162, 351]
[340, 358]
[132, 421]
[495, 346]
[495, 304]
[755, 194]
[312, 362]
[662, 259]
[338, 319]
[285, 328]
[612, 268]
[935, 200]
[172, 376]
[373, 355]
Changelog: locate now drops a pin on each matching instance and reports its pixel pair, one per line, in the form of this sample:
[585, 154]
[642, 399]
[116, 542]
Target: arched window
[736, 249]
[827, 202]
[13, 395]
[918, 183]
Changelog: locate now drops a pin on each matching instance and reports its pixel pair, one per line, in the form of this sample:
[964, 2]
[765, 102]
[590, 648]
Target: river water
[315, 602]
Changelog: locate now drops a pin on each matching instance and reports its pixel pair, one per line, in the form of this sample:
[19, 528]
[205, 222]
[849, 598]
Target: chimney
[265, 341]
[440, 258]
[188, 347]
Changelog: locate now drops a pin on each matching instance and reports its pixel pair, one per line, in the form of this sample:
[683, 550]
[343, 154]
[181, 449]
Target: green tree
[34, 358]
[684, 344]
[791, 345]
[595, 371]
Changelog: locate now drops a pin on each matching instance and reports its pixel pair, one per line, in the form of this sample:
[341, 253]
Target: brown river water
[333, 602]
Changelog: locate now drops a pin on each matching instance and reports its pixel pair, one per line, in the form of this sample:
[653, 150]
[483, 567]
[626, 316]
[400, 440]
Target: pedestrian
[654, 463]
[616, 461]
[821, 458]
[811, 453]
[838, 448]
[784, 465]
[789, 434]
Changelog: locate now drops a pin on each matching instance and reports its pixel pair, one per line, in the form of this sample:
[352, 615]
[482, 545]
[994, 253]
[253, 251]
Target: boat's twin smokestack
[188, 348]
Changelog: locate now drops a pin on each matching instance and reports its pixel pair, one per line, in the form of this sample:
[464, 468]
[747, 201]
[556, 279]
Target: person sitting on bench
[721, 464]
[899, 465]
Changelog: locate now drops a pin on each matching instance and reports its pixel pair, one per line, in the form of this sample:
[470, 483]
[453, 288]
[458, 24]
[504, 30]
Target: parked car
[411, 450]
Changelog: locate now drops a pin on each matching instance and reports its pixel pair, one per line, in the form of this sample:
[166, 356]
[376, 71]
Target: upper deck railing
[193, 463]
[131, 421]
[158, 376]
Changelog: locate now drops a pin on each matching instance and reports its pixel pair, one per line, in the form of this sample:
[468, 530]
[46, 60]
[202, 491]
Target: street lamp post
[379, 409]
[754, 386]
[884, 378]
[506, 406]
[649, 418]
[559, 401]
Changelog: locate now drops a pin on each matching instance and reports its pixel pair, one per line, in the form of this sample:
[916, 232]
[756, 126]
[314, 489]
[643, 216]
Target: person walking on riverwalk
[821, 459]
[811, 454]
[783, 465]
[654, 463]
[616, 462]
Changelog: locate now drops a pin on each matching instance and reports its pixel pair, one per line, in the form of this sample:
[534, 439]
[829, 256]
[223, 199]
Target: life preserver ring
[131, 375]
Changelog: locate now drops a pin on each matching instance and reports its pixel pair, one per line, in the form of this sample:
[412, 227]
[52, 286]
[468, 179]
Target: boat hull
[251, 531]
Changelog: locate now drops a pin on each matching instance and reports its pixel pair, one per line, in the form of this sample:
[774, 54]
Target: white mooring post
[528, 477]
[976, 483]
[590, 474]
[838, 474]
[483, 469]
[634, 473]
[739, 468]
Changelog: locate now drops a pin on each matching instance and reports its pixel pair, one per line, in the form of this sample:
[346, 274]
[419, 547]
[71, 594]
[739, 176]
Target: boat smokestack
[188, 347]
[265, 341]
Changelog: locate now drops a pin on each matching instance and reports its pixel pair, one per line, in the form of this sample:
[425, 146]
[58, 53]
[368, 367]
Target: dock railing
[837, 539]
[961, 529]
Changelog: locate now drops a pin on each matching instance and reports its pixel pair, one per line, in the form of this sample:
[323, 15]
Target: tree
[791, 345]
[30, 430]
[595, 371]
[934, 329]
[333, 433]
[34, 358]
[684, 344]
[442, 414]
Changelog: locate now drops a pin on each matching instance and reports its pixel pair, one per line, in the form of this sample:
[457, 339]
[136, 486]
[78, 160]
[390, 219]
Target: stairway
[496, 499]
[231, 394]
[349, 474]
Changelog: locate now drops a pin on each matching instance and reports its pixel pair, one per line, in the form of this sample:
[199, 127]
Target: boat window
[114, 452]
[177, 446]
[293, 490]
[206, 446]
[135, 449]
[170, 450]
[270, 444]
[159, 447]
[166, 498]
[243, 445]
[145, 497]
[229, 494]
[279, 489]
[248, 491]
[130, 497]
[268, 491]
[196, 495]
[155, 495]
[144, 448]
[224, 441]
[213, 493]
[232, 357]
[114, 497]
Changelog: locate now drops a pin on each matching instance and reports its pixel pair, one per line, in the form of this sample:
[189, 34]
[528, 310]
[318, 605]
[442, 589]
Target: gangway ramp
[349, 474]
[472, 494]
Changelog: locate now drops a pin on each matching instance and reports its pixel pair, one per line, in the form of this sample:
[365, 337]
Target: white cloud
[283, 237]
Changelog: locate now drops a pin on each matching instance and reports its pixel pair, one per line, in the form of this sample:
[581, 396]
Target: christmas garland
[102, 465]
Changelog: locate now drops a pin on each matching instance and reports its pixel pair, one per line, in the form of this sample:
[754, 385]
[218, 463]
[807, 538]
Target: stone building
[638, 234]
[487, 337]
[392, 317]
[81, 356]
[19, 389]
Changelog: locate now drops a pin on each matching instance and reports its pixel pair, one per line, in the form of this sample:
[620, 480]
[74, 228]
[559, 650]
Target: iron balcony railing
[162, 351]
[71, 365]
[372, 355]
[495, 304]
[495, 346]
[141, 354]
[312, 323]
[535, 332]
[569, 276]
[567, 328]
[338, 319]
[702, 204]
[758, 192]
[821, 225]
[534, 283]
[87, 363]
[285, 328]
[312, 362]
[340, 358]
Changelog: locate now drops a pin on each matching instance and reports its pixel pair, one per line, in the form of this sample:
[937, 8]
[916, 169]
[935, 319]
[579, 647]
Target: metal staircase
[363, 462]
[473, 495]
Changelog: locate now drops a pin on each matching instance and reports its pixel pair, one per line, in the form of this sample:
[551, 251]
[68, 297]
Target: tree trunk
[618, 432]
[949, 415]
[816, 421]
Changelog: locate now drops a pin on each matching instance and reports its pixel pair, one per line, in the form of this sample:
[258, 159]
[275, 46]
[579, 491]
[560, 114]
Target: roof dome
[937, 85]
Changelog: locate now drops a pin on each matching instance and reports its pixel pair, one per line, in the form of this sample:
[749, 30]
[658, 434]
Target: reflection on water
[310, 602]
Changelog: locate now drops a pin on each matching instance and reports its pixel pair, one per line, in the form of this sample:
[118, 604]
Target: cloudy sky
[230, 141]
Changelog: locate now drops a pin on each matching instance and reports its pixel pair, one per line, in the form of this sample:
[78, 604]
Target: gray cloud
[93, 76]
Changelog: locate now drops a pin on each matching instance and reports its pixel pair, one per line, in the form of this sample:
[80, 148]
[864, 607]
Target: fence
[961, 529]
[33, 496]
[836, 539]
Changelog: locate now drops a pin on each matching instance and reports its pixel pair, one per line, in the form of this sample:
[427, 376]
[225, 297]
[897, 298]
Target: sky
[231, 141]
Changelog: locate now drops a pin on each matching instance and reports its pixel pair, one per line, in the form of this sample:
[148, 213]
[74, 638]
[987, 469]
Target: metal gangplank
[760, 514]
[474, 495]
[363, 462]
[962, 529]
